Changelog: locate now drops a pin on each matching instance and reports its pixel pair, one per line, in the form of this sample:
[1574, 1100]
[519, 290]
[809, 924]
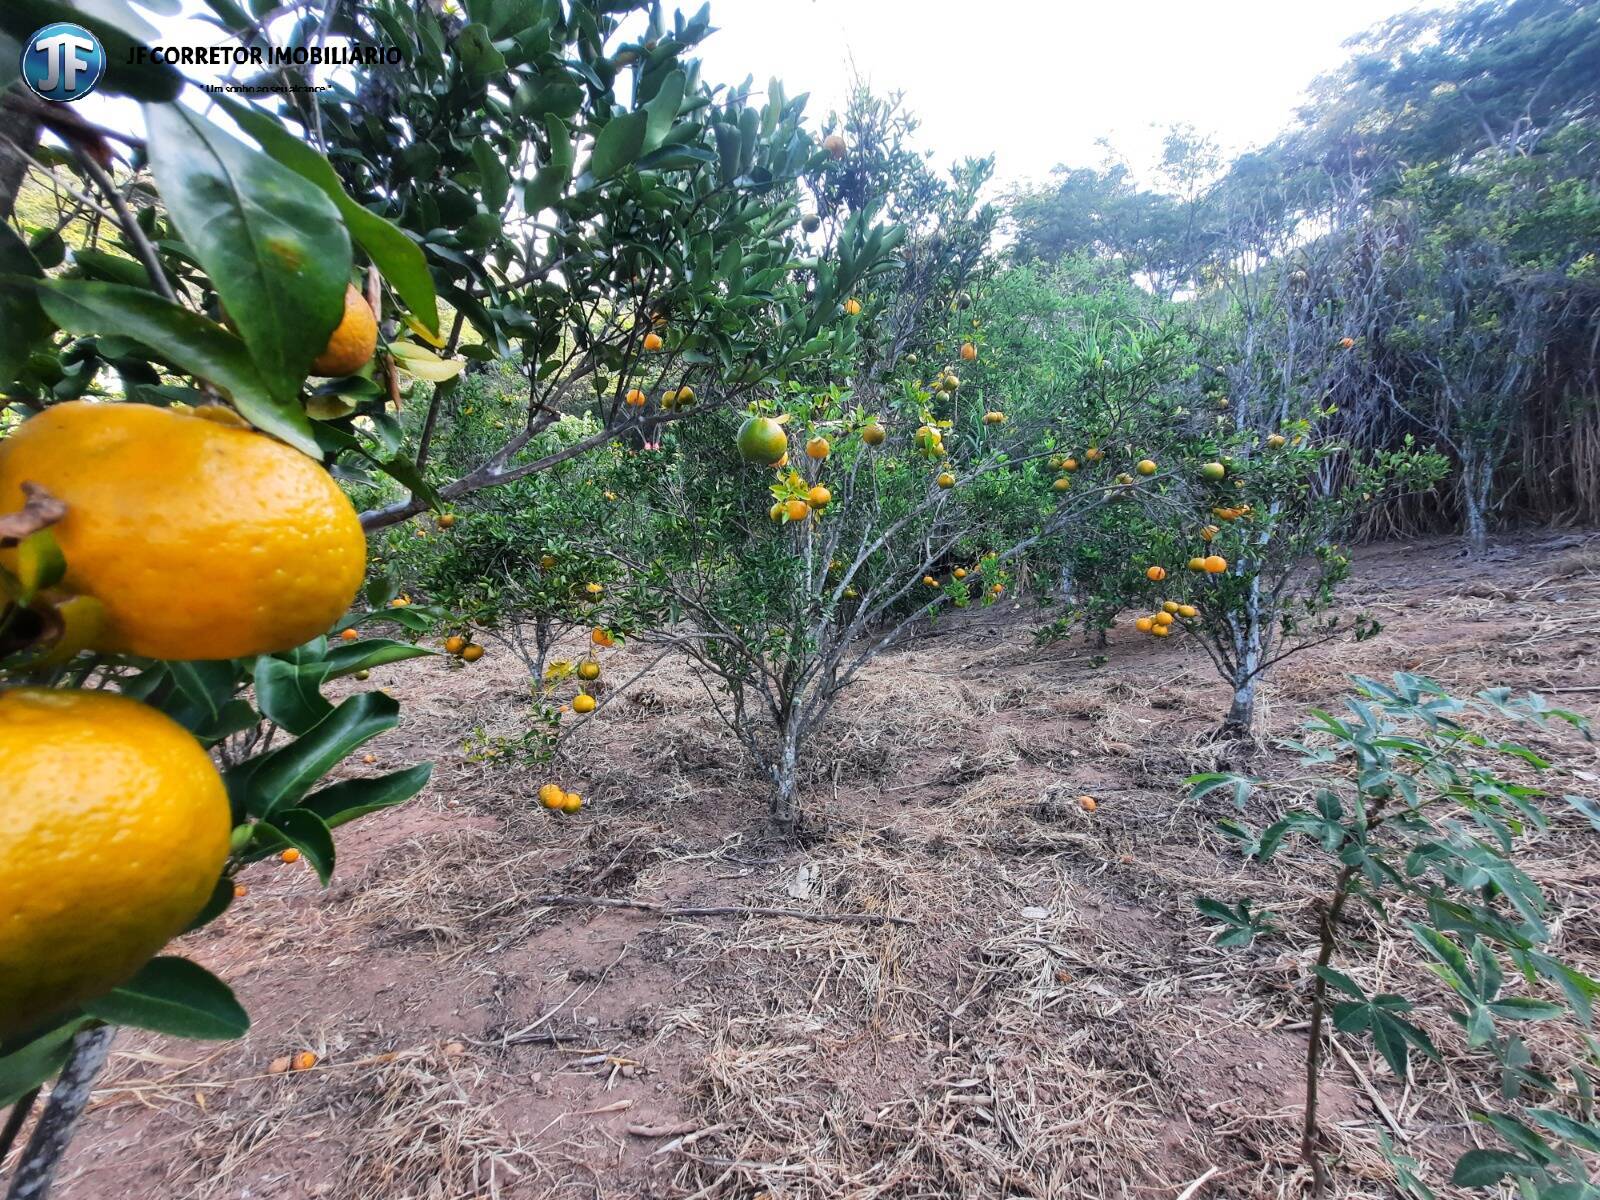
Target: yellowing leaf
[422, 331]
[424, 363]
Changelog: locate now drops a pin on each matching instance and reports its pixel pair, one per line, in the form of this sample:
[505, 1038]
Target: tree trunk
[1476, 476]
[1247, 655]
[69, 1096]
[784, 808]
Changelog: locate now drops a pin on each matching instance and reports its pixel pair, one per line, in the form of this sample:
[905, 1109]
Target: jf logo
[63, 62]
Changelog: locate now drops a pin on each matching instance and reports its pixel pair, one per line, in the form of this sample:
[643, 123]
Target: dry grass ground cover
[1035, 1009]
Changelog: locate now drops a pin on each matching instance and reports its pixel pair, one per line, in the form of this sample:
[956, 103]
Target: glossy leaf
[185, 339]
[281, 778]
[174, 996]
[398, 257]
[352, 798]
[272, 242]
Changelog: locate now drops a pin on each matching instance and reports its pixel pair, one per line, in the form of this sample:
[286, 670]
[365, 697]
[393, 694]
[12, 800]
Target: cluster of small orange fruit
[458, 646]
[557, 799]
[1160, 623]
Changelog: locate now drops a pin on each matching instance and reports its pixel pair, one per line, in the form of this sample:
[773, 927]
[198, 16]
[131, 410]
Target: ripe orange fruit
[589, 670]
[114, 829]
[1087, 803]
[1146, 466]
[471, 652]
[1093, 454]
[551, 795]
[1215, 564]
[1155, 574]
[445, 520]
[635, 398]
[1188, 611]
[571, 802]
[199, 539]
[583, 703]
[930, 581]
[1161, 619]
[455, 644]
[291, 855]
[240, 891]
[852, 308]
[797, 510]
[304, 1061]
[762, 440]
[1070, 464]
[1347, 343]
[872, 434]
[652, 341]
[1162, 630]
[1061, 484]
[1197, 563]
[946, 480]
[834, 145]
[994, 417]
[353, 342]
[817, 448]
[1169, 606]
[968, 351]
[1143, 624]
[819, 497]
[959, 572]
[348, 635]
[998, 589]
[601, 638]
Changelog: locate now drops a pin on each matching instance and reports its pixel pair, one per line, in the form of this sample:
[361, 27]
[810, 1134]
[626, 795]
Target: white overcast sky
[1036, 82]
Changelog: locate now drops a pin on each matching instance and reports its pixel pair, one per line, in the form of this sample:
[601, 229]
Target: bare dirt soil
[1051, 1020]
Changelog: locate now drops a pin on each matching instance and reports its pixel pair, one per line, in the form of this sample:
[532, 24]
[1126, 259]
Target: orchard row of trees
[614, 352]
[1448, 178]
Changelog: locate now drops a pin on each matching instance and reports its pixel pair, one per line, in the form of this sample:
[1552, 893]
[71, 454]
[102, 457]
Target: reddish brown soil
[1055, 1022]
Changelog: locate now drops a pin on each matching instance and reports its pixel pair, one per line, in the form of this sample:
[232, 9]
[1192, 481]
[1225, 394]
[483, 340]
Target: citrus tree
[270, 304]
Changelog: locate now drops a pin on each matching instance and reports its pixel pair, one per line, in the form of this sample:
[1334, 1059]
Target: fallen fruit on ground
[1087, 803]
[471, 652]
[304, 1061]
[872, 434]
[571, 802]
[113, 832]
[265, 547]
[455, 644]
[1155, 574]
[291, 855]
[1146, 466]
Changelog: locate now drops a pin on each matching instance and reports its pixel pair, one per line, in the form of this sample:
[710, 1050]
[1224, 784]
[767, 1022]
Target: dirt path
[1053, 1022]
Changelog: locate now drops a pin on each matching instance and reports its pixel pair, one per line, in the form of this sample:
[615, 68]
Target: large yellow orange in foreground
[200, 539]
[353, 342]
[113, 832]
